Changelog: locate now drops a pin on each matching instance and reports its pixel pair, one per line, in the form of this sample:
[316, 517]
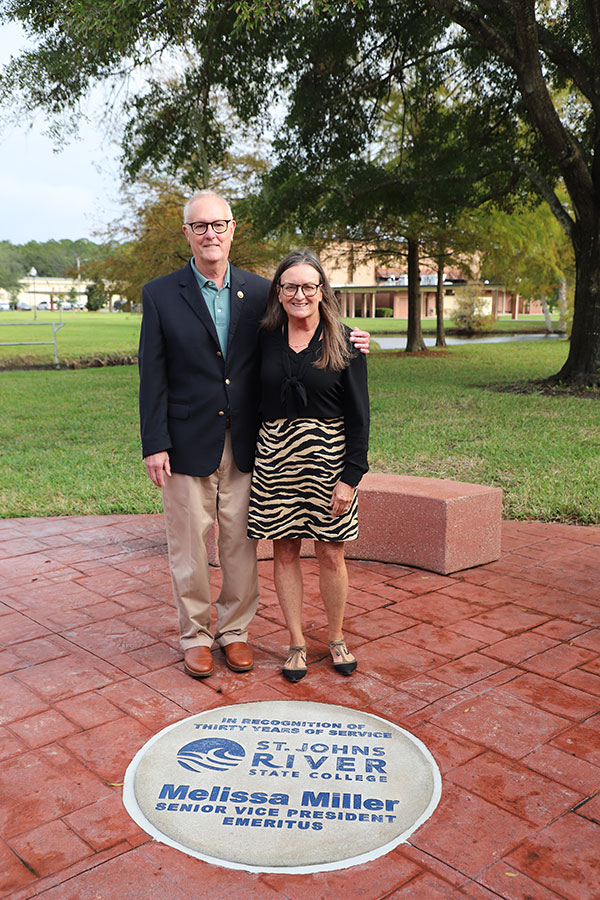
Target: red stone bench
[429, 523]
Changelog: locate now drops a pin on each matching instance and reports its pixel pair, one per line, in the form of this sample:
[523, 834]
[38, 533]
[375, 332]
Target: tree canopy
[149, 241]
[49, 258]
[380, 112]
[525, 250]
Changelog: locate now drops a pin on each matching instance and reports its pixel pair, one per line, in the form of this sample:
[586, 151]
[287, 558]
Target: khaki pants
[191, 505]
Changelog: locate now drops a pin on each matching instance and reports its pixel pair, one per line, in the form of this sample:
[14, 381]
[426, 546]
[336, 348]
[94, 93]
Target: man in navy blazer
[199, 418]
[198, 359]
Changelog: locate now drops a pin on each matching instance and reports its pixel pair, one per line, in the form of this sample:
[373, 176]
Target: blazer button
[221, 413]
[227, 381]
[219, 353]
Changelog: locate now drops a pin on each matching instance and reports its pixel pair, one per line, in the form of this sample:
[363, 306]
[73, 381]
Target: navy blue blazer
[187, 388]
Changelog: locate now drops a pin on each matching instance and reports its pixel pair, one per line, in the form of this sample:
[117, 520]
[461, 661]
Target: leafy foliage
[97, 295]
[50, 258]
[388, 119]
[11, 268]
[150, 241]
[469, 316]
[527, 251]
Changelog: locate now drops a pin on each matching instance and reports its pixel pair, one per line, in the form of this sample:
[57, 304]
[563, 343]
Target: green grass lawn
[84, 334]
[441, 415]
[70, 443]
[504, 324]
[88, 334]
[69, 439]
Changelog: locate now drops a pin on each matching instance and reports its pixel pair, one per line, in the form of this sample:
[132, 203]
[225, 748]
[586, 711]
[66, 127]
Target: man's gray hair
[205, 193]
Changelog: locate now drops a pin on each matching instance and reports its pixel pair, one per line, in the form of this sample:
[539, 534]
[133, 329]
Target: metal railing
[56, 326]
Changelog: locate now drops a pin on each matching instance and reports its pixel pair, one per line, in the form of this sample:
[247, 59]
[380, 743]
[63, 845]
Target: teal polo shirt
[218, 301]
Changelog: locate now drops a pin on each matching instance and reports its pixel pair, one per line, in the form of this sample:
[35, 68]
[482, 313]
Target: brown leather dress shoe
[238, 656]
[198, 662]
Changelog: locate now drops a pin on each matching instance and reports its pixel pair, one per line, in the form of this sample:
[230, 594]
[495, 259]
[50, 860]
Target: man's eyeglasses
[290, 290]
[219, 226]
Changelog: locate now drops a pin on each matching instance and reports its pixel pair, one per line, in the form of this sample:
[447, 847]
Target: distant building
[361, 282]
[45, 293]
[363, 285]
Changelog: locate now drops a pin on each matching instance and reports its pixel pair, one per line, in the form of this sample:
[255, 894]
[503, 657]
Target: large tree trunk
[440, 338]
[583, 362]
[513, 35]
[414, 336]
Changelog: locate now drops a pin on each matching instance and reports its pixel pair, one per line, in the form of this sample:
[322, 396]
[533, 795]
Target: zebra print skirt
[297, 464]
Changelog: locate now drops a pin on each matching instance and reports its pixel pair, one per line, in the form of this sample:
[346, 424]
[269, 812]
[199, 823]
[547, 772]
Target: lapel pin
[240, 295]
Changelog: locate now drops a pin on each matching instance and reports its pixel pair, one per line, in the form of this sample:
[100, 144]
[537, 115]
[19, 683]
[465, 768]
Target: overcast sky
[44, 194]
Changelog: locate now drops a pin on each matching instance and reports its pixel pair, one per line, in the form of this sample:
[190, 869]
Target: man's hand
[360, 339]
[157, 466]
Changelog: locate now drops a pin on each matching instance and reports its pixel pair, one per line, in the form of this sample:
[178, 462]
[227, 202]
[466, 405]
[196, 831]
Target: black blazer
[187, 388]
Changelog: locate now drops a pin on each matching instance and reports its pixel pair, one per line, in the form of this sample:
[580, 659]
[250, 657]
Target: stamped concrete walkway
[496, 669]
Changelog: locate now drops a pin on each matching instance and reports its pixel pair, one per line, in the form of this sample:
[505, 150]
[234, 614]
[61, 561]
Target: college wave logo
[217, 754]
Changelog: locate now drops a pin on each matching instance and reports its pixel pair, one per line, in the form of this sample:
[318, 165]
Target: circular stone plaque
[282, 786]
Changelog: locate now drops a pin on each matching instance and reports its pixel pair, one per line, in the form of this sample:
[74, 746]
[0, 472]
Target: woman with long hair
[312, 447]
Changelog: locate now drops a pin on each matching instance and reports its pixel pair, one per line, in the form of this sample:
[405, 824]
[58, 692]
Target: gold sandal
[297, 655]
[339, 649]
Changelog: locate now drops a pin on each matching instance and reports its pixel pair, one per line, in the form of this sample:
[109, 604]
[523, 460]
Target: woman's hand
[341, 499]
[360, 339]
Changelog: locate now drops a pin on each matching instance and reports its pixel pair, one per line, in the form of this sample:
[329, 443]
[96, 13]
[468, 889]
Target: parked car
[22, 305]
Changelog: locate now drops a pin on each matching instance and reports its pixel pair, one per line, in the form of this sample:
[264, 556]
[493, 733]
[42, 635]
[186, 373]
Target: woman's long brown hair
[335, 351]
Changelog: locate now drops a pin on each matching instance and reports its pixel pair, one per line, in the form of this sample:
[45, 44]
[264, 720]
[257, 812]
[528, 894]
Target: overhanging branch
[545, 191]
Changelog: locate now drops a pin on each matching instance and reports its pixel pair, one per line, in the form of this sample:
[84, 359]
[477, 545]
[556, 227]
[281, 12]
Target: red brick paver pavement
[496, 669]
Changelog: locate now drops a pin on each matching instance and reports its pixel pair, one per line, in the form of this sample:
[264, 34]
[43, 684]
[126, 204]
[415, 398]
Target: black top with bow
[292, 388]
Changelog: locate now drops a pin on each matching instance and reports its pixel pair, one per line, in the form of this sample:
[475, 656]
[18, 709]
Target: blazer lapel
[192, 295]
[237, 298]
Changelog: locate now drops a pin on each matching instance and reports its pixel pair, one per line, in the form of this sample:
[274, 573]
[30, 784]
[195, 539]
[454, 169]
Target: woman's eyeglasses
[290, 290]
